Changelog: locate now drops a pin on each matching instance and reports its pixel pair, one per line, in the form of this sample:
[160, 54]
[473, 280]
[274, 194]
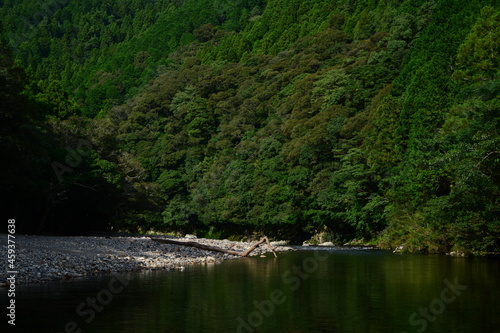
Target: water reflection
[344, 291]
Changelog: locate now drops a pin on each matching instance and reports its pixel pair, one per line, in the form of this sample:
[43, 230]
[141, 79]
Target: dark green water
[305, 291]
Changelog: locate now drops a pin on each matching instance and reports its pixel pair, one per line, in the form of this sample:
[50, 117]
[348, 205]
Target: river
[334, 290]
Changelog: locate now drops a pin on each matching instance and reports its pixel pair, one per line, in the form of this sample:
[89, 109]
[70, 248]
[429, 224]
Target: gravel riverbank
[52, 258]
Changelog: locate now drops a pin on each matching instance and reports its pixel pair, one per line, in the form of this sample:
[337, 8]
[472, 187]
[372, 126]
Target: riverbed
[61, 258]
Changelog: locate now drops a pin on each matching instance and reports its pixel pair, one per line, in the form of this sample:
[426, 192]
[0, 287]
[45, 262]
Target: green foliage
[52, 100]
[76, 42]
[480, 52]
[362, 119]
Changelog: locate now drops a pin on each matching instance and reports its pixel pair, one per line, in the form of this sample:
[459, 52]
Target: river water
[335, 290]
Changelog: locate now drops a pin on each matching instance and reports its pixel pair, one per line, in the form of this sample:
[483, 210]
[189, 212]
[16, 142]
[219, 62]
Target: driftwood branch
[217, 249]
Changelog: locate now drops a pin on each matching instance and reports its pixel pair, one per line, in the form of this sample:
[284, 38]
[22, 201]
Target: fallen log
[218, 249]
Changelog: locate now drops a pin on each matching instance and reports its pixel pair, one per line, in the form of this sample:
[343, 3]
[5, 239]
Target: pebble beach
[52, 258]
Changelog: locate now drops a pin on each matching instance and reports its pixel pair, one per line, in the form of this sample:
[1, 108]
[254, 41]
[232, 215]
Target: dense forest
[368, 120]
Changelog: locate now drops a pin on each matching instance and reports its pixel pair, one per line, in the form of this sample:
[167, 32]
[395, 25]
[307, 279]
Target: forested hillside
[373, 120]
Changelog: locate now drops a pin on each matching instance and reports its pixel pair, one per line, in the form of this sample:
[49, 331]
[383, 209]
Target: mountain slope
[375, 120]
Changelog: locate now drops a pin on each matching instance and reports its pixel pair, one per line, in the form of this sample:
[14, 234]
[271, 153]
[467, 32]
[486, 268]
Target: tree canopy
[374, 120]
